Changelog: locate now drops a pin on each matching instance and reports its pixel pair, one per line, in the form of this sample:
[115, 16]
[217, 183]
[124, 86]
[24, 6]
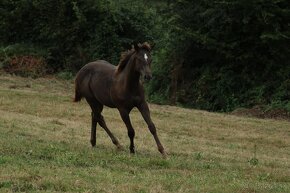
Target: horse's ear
[136, 47]
[152, 45]
[147, 46]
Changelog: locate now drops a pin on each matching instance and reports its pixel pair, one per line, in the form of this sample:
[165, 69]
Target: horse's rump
[100, 71]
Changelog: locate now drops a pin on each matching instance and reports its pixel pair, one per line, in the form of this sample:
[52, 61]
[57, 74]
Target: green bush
[24, 60]
[227, 54]
[66, 75]
[213, 55]
[75, 32]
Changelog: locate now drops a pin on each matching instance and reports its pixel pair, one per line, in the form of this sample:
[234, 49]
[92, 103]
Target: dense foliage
[214, 55]
[74, 32]
[227, 54]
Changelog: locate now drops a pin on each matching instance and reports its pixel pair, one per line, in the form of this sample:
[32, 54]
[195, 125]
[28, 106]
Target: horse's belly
[106, 102]
[101, 91]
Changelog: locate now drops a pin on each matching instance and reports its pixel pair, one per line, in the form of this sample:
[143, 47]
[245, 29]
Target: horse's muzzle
[147, 77]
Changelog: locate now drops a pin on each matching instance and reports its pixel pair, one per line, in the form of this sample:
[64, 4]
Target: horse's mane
[125, 56]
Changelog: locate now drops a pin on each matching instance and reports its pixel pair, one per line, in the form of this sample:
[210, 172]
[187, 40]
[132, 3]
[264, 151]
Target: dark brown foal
[102, 83]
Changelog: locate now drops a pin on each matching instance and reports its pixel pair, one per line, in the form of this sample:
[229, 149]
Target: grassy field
[44, 147]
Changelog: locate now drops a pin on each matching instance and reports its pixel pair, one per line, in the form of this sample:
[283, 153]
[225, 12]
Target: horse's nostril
[148, 77]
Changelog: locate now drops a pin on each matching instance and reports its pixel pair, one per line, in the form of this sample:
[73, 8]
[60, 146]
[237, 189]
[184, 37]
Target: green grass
[44, 147]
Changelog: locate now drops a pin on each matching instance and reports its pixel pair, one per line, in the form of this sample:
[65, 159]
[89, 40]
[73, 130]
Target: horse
[121, 87]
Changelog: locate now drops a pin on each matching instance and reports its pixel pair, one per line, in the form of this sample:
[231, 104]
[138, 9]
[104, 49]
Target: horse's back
[99, 66]
[94, 80]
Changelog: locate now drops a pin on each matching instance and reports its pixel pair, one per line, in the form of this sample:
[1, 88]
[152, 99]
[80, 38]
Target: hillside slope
[44, 147]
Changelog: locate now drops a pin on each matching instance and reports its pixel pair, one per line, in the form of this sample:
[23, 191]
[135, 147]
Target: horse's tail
[78, 95]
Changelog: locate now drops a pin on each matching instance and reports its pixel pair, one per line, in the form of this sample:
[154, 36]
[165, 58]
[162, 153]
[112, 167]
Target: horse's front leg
[144, 109]
[131, 133]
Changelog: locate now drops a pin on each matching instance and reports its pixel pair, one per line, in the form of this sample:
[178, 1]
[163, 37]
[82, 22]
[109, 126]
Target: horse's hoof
[120, 147]
[164, 155]
[93, 143]
[132, 152]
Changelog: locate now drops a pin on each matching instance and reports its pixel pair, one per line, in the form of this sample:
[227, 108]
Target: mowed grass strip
[44, 147]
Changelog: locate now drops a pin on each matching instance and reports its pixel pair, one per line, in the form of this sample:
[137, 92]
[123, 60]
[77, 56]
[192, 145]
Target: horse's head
[143, 60]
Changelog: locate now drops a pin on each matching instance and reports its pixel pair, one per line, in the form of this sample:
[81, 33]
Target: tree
[225, 54]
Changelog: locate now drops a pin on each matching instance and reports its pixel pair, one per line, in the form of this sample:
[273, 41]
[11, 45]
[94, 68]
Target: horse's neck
[130, 76]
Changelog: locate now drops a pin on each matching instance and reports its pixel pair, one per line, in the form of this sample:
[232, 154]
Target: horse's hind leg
[97, 109]
[103, 124]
